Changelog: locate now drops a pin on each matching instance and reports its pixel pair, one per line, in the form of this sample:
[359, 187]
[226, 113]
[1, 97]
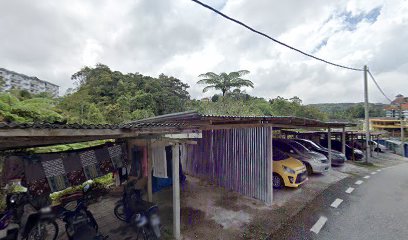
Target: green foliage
[37, 110]
[225, 81]
[349, 111]
[98, 183]
[67, 147]
[114, 97]
[141, 114]
[18, 106]
[238, 103]
[294, 107]
[2, 82]
[9, 99]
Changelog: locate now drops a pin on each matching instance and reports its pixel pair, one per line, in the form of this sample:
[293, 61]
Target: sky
[54, 39]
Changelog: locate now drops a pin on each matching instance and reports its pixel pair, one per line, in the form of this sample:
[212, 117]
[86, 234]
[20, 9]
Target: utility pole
[402, 129]
[366, 112]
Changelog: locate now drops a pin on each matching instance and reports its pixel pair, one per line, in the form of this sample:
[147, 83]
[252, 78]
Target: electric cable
[273, 39]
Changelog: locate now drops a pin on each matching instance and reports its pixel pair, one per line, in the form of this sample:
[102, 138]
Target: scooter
[80, 223]
[142, 214]
[25, 220]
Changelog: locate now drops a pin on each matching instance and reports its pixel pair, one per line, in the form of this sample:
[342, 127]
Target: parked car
[287, 171]
[314, 162]
[337, 145]
[360, 144]
[338, 158]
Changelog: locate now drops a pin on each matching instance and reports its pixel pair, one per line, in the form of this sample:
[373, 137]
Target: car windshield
[309, 144]
[279, 155]
[299, 147]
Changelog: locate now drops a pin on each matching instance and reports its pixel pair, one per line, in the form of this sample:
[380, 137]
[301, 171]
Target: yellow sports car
[287, 171]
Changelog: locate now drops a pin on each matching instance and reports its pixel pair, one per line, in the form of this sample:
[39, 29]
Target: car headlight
[288, 170]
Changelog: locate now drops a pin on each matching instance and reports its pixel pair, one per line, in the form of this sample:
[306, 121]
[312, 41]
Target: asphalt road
[376, 209]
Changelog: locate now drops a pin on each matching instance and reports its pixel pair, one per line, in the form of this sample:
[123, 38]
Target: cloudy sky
[54, 39]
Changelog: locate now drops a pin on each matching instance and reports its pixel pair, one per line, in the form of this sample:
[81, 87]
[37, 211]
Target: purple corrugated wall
[236, 159]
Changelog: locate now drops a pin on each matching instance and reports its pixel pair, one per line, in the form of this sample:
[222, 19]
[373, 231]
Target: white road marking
[349, 190]
[379, 170]
[319, 224]
[367, 177]
[336, 203]
[374, 173]
[359, 182]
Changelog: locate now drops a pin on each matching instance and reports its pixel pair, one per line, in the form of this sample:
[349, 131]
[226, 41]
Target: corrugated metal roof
[194, 117]
[4, 125]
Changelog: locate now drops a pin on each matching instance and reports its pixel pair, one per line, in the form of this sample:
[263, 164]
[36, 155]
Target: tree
[225, 82]
[122, 97]
[2, 82]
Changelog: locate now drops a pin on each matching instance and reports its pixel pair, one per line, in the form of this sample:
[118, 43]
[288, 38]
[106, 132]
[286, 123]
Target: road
[375, 208]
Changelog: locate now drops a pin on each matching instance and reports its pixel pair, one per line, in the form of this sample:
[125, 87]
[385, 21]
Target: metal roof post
[176, 192]
[343, 140]
[329, 144]
[269, 167]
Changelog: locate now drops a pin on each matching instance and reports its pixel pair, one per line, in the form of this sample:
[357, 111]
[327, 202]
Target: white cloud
[53, 40]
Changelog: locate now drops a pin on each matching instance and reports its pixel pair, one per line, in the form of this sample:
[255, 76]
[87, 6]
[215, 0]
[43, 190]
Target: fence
[236, 159]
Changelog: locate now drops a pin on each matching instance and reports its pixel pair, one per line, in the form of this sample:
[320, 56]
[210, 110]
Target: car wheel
[277, 181]
[309, 169]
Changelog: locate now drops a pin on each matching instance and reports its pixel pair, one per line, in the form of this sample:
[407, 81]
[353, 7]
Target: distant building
[392, 123]
[24, 82]
[393, 110]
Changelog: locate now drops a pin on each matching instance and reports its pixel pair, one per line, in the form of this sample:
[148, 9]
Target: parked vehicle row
[361, 143]
[338, 158]
[295, 159]
[337, 145]
[24, 219]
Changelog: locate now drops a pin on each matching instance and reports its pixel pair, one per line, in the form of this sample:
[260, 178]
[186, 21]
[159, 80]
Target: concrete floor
[210, 212]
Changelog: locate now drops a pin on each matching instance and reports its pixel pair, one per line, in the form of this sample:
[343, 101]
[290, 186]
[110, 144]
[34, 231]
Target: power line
[378, 86]
[273, 39]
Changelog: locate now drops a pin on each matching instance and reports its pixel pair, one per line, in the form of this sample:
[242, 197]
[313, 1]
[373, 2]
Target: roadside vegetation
[104, 96]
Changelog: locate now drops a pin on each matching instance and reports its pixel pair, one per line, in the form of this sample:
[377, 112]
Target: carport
[221, 147]
[235, 146]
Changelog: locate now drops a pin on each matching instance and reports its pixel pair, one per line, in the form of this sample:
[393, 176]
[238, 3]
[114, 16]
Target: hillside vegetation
[349, 111]
[104, 96]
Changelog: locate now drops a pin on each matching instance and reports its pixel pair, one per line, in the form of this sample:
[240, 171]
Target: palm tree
[224, 81]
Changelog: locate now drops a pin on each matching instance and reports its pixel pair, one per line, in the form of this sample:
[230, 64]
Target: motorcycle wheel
[120, 212]
[43, 231]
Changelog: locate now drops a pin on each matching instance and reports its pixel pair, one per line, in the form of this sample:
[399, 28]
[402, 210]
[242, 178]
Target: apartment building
[31, 84]
[392, 123]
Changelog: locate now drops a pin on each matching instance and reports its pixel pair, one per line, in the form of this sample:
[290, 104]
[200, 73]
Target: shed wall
[236, 159]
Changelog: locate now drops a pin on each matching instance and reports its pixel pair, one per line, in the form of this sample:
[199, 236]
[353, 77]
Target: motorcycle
[8, 227]
[27, 218]
[142, 214]
[80, 222]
